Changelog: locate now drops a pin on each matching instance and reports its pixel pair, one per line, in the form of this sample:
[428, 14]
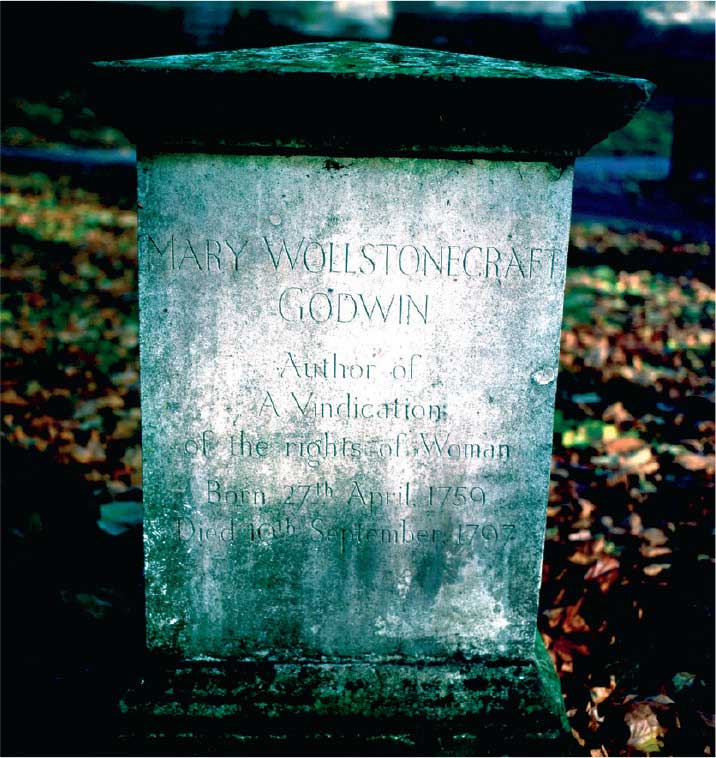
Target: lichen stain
[544, 376]
[465, 611]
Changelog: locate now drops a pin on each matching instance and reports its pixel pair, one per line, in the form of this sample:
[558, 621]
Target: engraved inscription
[347, 401]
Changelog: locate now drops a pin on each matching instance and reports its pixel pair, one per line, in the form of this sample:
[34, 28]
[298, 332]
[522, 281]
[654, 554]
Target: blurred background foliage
[627, 597]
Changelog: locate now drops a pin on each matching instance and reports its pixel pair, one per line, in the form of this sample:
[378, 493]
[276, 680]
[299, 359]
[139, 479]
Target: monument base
[485, 707]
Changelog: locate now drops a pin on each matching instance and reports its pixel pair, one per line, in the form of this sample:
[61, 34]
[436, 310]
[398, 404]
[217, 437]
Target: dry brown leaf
[576, 736]
[655, 568]
[90, 407]
[697, 444]
[113, 400]
[126, 429]
[644, 728]
[654, 536]
[641, 461]
[92, 452]
[10, 397]
[553, 616]
[586, 508]
[695, 461]
[581, 559]
[605, 571]
[126, 377]
[602, 566]
[573, 621]
[650, 551]
[624, 445]
[566, 649]
[617, 414]
[595, 719]
[24, 440]
[600, 694]
[621, 478]
[133, 460]
[635, 524]
[116, 487]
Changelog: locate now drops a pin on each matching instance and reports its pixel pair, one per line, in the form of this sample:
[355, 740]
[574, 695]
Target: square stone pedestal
[351, 270]
[482, 707]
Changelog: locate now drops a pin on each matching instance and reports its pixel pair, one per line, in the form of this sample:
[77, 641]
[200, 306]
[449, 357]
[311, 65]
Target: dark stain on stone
[429, 574]
[333, 165]
[476, 683]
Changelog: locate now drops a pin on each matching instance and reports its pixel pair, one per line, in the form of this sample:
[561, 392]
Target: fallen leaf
[617, 414]
[587, 508]
[125, 378]
[695, 462]
[660, 701]
[581, 559]
[602, 566]
[635, 524]
[126, 429]
[573, 621]
[654, 536]
[577, 737]
[553, 616]
[92, 452]
[623, 445]
[641, 461]
[10, 397]
[133, 460]
[567, 649]
[116, 487]
[651, 551]
[644, 728]
[653, 569]
[600, 694]
[595, 719]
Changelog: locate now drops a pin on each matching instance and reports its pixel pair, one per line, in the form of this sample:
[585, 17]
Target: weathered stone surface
[349, 357]
[348, 375]
[489, 707]
[365, 98]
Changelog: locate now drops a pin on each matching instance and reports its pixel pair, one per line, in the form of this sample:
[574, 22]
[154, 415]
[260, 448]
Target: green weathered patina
[358, 98]
[490, 707]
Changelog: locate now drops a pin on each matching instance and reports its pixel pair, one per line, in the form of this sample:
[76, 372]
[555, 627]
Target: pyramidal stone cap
[364, 98]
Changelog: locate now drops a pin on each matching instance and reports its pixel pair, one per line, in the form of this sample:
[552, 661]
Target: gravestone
[351, 269]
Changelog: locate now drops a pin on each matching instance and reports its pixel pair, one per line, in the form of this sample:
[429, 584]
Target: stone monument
[351, 269]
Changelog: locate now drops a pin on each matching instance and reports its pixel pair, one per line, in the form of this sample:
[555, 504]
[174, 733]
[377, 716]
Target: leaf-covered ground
[627, 597]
